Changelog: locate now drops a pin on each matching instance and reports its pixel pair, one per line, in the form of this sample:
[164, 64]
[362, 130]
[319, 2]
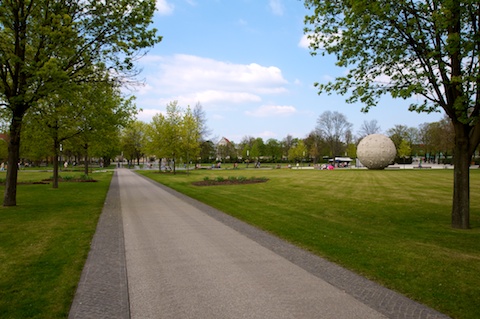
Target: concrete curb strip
[103, 289]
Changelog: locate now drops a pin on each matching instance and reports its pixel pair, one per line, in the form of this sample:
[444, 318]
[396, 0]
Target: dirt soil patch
[78, 180]
[229, 182]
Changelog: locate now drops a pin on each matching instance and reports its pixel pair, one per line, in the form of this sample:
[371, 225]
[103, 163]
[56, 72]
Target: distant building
[224, 142]
[225, 149]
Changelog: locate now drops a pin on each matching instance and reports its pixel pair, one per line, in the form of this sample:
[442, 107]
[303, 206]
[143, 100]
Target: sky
[248, 64]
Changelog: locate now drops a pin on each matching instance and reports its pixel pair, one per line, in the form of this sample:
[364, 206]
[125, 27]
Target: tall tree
[36, 144]
[246, 145]
[164, 133]
[134, 141]
[61, 117]
[400, 133]
[175, 135]
[47, 46]
[287, 143]
[273, 149]
[369, 127]
[335, 129]
[314, 143]
[207, 151]
[298, 152]
[201, 119]
[258, 148]
[437, 137]
[409, 48]
[191, 135]
[112, 112]
[404, 150]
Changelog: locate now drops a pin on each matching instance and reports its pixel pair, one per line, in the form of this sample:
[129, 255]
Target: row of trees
[176, 135]
[80, 124]
[57, 56]
[181, 135]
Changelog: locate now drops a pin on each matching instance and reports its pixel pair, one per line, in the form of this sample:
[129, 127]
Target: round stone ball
[376, 151]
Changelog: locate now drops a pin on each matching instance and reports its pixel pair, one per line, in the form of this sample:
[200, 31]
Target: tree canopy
[335, 129]
[175, 135]
[48, 46]
[428, 49]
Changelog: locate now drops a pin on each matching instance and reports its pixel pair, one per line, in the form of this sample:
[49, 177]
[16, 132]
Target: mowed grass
[44, 242]
[391, 226]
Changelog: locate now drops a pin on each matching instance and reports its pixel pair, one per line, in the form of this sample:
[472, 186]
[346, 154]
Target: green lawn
[44, 242]
[391, 226]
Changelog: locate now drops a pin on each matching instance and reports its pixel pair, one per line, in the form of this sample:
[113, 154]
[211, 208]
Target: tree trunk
[10, 197]
[56, 146]
[55, 170]
[86, 159]
[461, 186]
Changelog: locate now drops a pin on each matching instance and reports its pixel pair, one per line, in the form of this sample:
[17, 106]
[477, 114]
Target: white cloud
[304, 42]
[191, 79]
[218, 96]
[211, 97]
[267, 135]
[164, 7]
[277, 7]
[146, 114]
[272, 110]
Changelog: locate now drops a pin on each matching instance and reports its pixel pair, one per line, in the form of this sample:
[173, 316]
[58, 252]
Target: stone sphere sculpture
[376, 151]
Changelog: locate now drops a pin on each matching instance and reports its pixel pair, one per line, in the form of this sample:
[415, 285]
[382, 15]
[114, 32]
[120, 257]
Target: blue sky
[247, 63]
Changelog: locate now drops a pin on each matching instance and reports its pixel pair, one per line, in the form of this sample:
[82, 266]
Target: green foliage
[66, 178]
[49, 49]
[44, 245]
[404, 150]
[92, 113]
[408, 42]
[175, 135]
[426, 49]
[207, 151]
[134, 140]
[298, 152]
[85, 177]
[273, 149]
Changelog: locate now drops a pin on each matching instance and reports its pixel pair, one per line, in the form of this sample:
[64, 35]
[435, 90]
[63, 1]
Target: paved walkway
[159, 254]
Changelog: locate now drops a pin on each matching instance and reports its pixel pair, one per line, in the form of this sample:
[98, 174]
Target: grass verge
[44, 242]
[390, 226]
